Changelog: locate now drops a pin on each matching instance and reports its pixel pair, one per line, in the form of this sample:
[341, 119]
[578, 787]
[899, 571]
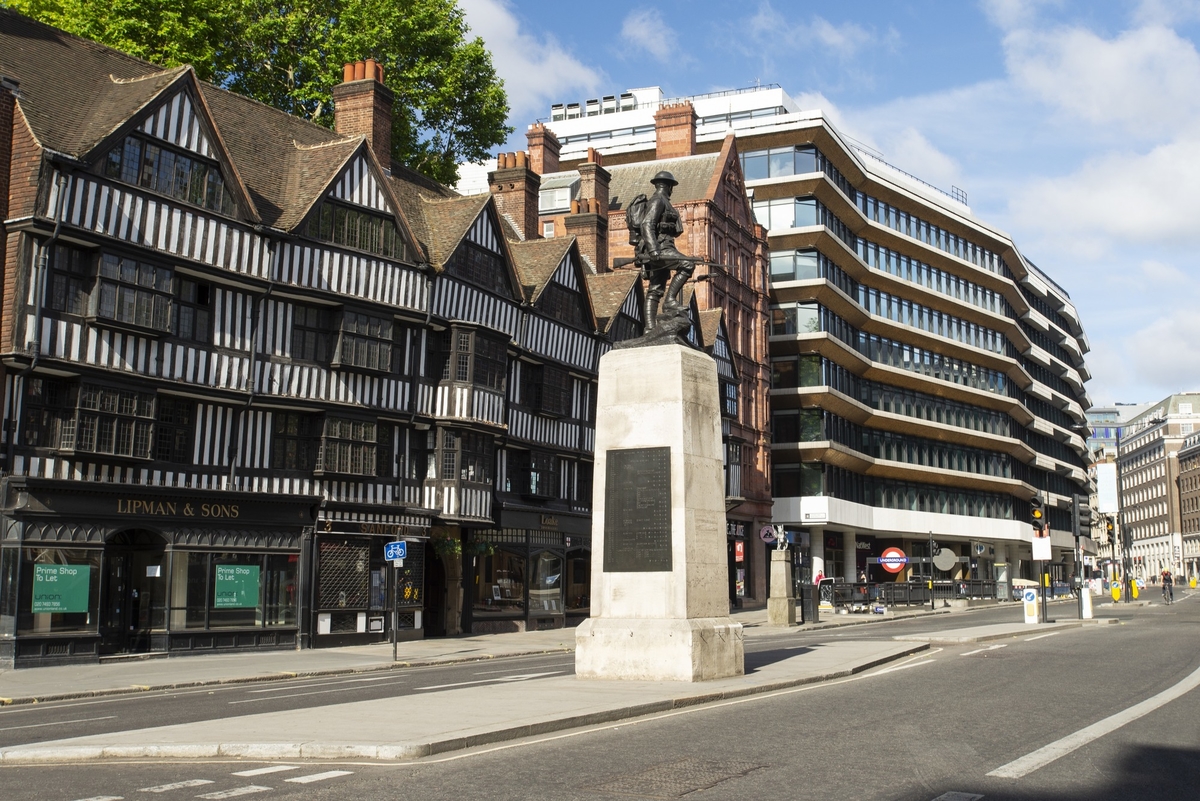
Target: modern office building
[927, 378]
[1189, 504]
[240, 353]
[1149, 474]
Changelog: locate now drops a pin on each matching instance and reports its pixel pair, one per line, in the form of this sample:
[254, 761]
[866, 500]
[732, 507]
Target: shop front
[533, 573]
[358, 596]
[89, 570]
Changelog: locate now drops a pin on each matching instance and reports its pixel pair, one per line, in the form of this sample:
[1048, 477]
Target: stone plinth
[781, 603]
[660, 584]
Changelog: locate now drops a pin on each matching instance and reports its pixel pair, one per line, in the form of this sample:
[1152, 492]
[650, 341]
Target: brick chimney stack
[543, 149]
[515, 188]
[588, 220]
[363, 105]
[675, 130]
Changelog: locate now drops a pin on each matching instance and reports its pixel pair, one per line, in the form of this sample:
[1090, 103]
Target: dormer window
[358, 229]
[141, 162]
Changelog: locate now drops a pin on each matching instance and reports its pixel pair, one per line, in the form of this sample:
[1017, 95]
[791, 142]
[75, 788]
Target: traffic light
[1036, 515]
[1081, 513]
[1109, 526]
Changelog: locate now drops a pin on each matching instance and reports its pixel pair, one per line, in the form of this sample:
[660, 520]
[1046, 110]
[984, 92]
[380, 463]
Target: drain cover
[676, 779]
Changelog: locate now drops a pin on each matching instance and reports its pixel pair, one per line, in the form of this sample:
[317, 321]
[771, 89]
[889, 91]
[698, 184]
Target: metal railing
[860, 596]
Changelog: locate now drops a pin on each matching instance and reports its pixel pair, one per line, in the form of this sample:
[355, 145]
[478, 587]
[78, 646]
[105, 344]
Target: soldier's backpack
[635, 215]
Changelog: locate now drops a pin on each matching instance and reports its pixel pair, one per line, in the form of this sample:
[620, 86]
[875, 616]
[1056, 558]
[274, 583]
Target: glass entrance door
[134, 593]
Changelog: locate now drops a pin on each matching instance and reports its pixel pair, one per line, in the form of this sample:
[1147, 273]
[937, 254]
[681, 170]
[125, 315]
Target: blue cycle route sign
[395, 550]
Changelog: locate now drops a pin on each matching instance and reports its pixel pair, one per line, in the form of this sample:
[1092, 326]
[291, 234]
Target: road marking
[1060, 748]
[104, 798]
[490, 672]
[903, 667]
[309, 686]
[954, 796]
[520, 677]
[249, 789]
[164, 788]
[1040, 636]
[298, 695]
[981, 650]
[266, 770]
[319, 777]
[57, 723]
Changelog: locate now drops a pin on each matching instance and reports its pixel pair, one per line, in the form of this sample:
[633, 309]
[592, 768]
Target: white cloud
[1144, 80]
[770, 26]
[1164, 353]
[537, 71]
[1119, 198]
[644, 31]
[1167, 12]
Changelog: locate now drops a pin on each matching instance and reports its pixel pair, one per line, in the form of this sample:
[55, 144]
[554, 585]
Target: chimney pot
[347, 73]
[521, 158]
[574, 206]
[379, 72]
[360, 70]
[369, 71]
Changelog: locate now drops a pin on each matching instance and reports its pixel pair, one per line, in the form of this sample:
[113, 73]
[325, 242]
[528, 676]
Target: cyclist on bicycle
[1168, 584]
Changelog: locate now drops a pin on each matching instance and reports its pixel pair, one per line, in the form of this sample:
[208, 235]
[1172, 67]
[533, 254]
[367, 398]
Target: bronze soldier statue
[655, 251]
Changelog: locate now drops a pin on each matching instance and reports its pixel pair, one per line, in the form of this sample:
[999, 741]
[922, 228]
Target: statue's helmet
[664, 177]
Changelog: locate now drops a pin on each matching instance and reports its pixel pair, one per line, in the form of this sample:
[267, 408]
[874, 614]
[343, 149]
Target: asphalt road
[933, 724]
[20, 725]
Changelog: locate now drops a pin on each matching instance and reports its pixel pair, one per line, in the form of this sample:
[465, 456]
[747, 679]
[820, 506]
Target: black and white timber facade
[242, 352]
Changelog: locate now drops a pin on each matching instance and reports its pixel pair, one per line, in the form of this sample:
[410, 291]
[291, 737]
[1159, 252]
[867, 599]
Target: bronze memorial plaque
[637, 510]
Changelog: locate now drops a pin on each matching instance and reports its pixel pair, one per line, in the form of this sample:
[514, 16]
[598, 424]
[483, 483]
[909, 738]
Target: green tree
[450, 105]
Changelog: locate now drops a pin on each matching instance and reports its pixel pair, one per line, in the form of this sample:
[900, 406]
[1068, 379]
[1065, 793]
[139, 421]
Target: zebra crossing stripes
[249, 789]
[166, 788]
[319, 777]
[233, 792]
[266, 770]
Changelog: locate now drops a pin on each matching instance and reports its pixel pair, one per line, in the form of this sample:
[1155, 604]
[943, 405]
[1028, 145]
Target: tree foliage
[450, 105]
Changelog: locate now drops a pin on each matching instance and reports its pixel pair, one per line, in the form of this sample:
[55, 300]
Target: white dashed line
[958, 797]
[1040, 636]
[249, 789]
[981, 650]
[320, 777]
[903, 667]
[266, 770]
[104, 798]
[166, 788]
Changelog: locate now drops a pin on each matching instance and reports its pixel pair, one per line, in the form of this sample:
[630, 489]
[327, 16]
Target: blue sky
[1073, 126]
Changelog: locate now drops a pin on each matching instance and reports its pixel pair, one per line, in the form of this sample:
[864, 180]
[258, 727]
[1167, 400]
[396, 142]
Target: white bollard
[1087, 601]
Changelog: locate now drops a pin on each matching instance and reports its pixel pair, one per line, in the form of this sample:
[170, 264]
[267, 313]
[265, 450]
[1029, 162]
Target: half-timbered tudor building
[241, 352]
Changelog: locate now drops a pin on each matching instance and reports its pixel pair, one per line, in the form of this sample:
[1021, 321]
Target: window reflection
[499, 585]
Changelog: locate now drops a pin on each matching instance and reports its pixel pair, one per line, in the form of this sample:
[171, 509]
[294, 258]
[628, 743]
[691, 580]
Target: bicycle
[1168, 593]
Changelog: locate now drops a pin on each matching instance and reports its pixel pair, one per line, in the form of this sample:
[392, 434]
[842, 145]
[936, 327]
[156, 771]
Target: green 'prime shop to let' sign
[61, 588]
[236, 587]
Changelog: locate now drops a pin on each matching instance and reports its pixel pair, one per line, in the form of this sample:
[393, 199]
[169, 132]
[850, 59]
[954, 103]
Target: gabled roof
[608, 292]
[536, 261]
[445, 224]
[694, 174]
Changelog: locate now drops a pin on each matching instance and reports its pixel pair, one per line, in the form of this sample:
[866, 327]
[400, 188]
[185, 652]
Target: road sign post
[395, 552]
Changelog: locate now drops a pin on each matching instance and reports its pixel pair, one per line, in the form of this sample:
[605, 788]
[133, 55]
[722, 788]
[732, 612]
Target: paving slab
[422, 724]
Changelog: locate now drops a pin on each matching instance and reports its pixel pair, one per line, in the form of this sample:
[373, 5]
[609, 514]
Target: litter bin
[810, 600]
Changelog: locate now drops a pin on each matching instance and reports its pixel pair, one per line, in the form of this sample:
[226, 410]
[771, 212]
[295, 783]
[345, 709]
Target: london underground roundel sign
[893, 560]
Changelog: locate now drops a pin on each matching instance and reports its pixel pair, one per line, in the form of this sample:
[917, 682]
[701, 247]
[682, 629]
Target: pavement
[438, 721]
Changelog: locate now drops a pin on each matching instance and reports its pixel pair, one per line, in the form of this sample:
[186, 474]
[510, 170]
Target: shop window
[355, 447]
[364, 341]
[236, 596]
[357, 228]
[192, 301]
[310, 334]
[113, 421]
[546, 585]
[189, 590]
[279, 590]
[173, 431]
[70, 277]
[134, 293]
[62, 590]
[500, 585]
[578, 580]
[185, 177]
[294, 441]
[343, 574]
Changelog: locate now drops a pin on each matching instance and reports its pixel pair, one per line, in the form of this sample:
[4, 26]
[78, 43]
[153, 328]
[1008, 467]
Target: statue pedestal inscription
[660, 584]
